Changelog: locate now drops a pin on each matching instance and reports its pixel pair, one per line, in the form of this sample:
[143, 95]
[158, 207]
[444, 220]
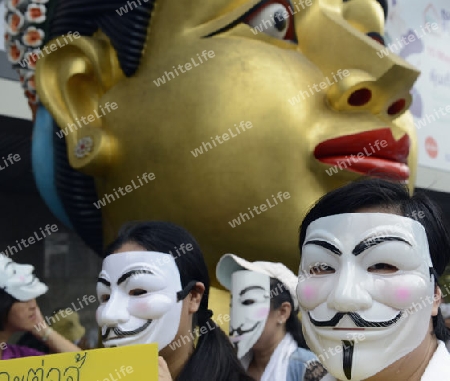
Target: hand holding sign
[163, 370]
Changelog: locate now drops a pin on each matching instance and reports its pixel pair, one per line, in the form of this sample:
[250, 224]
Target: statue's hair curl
[30, 24]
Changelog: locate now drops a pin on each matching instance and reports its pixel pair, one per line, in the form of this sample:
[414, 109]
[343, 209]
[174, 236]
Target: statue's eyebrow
[383, 4]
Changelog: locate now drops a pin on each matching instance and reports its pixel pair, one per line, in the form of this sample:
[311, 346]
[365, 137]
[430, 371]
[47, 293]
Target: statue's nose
[377, 80]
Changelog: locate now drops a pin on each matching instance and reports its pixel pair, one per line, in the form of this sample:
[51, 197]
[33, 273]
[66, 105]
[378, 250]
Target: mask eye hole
[321, 270]
[248, 302]
[137, 292]
[274, 19]
[104, 298]
[382, 268]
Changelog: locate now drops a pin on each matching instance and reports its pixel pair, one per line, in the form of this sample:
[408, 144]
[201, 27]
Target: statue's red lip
[372, 152]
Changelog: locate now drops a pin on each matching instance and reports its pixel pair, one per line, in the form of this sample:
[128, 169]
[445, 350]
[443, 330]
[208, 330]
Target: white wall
[12, 100]
[419, 31]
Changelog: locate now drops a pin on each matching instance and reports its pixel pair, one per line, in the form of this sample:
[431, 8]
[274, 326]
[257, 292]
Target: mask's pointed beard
[347, 359]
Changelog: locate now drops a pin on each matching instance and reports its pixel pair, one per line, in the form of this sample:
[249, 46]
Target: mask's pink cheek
[311, 294]
[142, 308]
[261, 313]
[307, 293]
[151, 307]
[401, 291]
[402, 294]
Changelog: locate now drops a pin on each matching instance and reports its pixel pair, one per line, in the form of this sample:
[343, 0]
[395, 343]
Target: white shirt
[438, 368]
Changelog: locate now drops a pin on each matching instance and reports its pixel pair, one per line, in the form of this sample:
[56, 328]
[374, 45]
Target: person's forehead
[356, 232]
[242, 279]
[352, 227]
[159, 263]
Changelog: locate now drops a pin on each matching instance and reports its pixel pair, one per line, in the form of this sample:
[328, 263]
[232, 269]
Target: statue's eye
[274, 18]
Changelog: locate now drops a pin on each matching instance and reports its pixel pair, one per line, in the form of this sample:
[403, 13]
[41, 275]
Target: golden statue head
[228, 117]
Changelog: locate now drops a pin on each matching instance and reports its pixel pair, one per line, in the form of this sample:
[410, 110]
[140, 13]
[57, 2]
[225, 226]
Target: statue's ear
[70, 81]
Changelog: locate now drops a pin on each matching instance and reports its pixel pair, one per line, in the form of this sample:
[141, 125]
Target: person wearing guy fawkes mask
[372, 311]
[264, 327]
[20, 312]
[149, 295]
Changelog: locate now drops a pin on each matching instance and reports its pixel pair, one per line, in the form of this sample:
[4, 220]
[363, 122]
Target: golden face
[274, 110]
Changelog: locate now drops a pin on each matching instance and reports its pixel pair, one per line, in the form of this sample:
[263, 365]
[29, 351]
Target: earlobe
[70, 82]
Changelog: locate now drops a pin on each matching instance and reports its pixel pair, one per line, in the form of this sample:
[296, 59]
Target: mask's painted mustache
[119, 333]
[239, 331]
[358, 320]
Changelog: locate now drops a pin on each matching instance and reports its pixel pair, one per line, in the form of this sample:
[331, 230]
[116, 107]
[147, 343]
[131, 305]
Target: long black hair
[280, 294]
[6, 302]
[369, 193]
[214, 357]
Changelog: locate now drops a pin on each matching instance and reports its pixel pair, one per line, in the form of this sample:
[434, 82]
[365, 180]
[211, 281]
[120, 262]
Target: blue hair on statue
[42, 158]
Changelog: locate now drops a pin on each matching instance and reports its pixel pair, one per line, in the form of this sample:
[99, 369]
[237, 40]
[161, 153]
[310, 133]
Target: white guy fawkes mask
[250, 307]
[19, 281]
[137, 291]
[369, 301]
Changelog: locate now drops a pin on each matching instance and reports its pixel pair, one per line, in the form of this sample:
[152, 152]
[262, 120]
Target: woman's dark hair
[379, 193]
[214, 357]
[278, 295]
[6, 302]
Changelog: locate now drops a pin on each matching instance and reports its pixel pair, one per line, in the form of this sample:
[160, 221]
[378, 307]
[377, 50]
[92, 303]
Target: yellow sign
[129, 363]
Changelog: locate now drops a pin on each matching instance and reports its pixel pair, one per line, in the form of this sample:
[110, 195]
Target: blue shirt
[304, 366]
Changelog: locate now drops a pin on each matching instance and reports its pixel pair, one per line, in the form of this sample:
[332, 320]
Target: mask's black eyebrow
[369, 242]
[325, 245]
[104, 281]
[125, 276]
[251, 288]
